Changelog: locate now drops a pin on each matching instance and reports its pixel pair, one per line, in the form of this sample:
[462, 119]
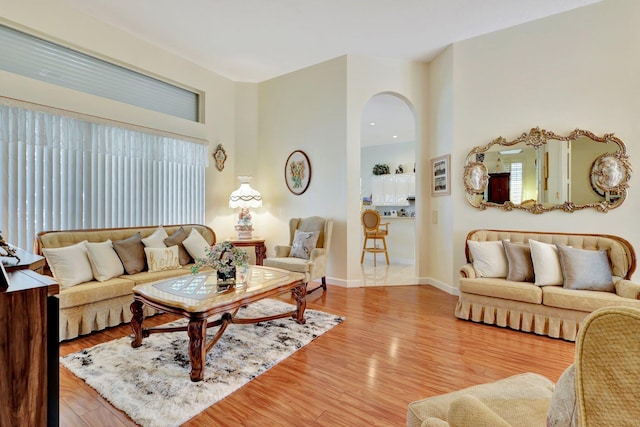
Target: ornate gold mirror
[540, 171]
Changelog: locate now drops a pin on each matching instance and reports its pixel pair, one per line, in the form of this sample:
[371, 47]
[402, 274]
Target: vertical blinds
[64, 173]
[29, 56]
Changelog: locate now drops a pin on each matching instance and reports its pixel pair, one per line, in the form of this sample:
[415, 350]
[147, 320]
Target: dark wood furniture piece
[198, 297]
[257, 243]
[28, 261]
[499, 187]
[29, 371]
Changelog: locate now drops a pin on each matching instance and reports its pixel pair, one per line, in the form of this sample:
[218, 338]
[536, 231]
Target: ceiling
[256, 40]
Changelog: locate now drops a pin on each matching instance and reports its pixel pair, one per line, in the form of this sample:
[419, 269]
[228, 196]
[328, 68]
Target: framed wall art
[220, 155]
[297, 172]
[441, 175]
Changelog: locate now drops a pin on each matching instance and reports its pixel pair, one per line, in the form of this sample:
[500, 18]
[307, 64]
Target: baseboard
[421, 281]
[439, 285]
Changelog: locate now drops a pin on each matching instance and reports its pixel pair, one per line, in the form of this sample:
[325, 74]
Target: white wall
[305, 110]
[439, 218]
[56, 22]
[574, 70]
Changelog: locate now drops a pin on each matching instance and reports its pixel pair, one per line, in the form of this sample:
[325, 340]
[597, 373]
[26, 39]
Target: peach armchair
[293, 257]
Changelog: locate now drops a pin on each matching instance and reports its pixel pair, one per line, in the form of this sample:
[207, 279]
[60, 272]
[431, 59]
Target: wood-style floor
[398, 344]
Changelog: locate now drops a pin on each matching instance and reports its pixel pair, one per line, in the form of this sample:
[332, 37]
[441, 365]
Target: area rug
[151, 383]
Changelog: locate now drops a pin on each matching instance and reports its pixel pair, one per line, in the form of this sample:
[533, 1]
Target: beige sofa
[554, 311]
[94, 305]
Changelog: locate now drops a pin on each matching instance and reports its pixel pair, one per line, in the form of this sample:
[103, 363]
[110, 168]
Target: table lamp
[245, 197]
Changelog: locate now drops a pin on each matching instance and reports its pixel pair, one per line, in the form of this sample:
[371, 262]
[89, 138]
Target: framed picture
[220, 155]
[441, 175]
[297, 172]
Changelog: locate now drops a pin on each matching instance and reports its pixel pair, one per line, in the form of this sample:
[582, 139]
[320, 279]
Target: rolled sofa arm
[467, 271]
[628, 289]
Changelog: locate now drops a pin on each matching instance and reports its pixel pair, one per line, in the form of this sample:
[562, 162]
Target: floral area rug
[151, 383]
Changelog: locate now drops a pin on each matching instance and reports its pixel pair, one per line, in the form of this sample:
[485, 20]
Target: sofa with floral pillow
[97, 268]
[543, 282]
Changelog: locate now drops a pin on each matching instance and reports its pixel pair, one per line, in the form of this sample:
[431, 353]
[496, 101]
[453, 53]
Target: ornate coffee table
[197, 298]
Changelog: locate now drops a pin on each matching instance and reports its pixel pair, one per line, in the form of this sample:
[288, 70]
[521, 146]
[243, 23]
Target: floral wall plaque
[297, 172]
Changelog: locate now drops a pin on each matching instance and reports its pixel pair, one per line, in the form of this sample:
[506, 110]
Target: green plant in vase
[224, 258]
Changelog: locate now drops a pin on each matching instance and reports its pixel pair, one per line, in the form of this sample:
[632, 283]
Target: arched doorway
[388, 142]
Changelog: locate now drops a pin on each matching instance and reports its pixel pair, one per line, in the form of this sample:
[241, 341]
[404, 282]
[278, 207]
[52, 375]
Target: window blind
[61, 172]
[30, 56]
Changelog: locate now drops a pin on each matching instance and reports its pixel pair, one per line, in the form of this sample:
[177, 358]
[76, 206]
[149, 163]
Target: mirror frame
[476, 175]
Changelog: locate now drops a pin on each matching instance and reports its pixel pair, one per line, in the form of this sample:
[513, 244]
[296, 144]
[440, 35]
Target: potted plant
[224, 258]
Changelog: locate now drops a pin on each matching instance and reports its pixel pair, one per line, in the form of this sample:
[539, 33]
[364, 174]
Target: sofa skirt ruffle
[520, 316]
[87, 318]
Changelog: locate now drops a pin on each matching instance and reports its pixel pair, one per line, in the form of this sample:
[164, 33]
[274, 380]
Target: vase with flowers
[224, 258]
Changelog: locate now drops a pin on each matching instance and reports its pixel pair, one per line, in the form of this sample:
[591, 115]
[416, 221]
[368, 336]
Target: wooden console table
[28, 261]
[29, 354]
[257, 243]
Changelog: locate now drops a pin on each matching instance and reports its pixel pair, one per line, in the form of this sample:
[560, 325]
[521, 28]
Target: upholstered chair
[307, 251]
[602, 387]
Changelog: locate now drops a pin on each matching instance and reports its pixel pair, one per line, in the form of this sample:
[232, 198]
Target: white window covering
[62, 172]
[36, 58]
[516, 182]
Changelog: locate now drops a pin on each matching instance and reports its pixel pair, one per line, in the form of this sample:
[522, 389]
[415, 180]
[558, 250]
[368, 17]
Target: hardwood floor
[398, 344]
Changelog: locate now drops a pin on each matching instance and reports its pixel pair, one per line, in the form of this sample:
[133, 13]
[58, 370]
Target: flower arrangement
[297, 173]
[222, 257]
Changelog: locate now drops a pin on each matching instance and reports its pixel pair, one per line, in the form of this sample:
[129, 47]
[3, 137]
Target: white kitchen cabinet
[392, 189]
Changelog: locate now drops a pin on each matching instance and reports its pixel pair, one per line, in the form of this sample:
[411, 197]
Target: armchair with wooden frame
[316, 266]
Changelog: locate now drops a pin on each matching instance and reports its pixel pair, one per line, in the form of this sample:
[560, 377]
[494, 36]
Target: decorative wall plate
[297, 172]
[220, 156]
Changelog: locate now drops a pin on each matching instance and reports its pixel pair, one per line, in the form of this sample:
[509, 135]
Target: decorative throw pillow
[176, 239]
[195, 244]
[546, 263]
[159, 259]
[489, 259]
[303, 243]
[70, 264]
[519, 260]
[563, 408]
[586, 270]
[131, 253]
[156, 239]
[104, 260]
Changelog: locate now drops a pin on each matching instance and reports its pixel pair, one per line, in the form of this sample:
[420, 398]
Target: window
[62, 172]
[39, 59]
[515, 192]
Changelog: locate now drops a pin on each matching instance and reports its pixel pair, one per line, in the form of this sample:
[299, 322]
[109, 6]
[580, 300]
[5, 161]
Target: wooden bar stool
[374, 230]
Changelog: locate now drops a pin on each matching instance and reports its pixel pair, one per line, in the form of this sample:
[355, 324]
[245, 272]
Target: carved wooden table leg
[197, 332]
[136, 323]
[261, 253]
[300, 294]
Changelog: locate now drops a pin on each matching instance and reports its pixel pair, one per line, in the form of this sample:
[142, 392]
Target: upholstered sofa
[96, 304]
[555, 309]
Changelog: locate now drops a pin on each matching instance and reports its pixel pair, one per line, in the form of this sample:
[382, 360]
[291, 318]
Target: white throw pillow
[489, 258]
[104, 260]
[156, 239]
[546, 263]
[159, 259]
[70, 265]
[195, 244]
